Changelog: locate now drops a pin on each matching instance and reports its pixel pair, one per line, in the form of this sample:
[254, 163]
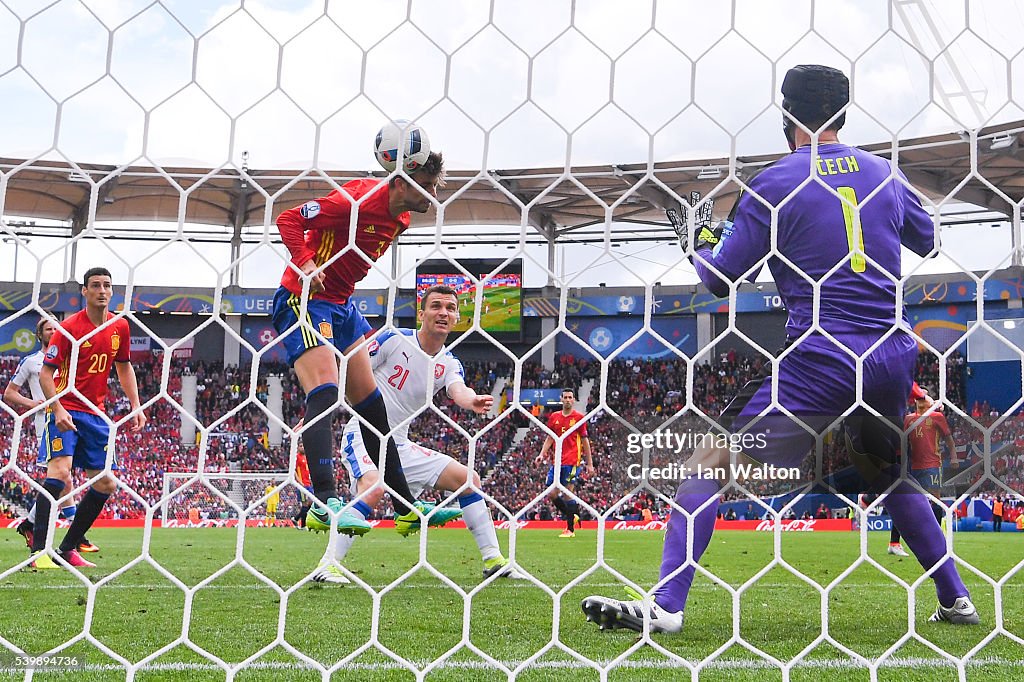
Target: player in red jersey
[76, 430]
[924, 431]
[925, 461]
[302, 477]
[316, 234]
[569, 426]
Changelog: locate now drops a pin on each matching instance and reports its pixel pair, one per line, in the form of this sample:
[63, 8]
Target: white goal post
[214, 496]
[138, 136]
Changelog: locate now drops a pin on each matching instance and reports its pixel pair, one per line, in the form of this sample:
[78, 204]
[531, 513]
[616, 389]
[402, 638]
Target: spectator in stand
[644, 393]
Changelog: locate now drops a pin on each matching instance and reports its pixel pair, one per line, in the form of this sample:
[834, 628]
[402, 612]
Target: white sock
[478, 519]
[32, 514]
[342, 542]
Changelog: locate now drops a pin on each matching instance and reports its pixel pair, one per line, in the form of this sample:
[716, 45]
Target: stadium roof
[558, 204]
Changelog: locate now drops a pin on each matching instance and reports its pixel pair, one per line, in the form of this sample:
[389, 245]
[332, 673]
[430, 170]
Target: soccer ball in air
[403, 135]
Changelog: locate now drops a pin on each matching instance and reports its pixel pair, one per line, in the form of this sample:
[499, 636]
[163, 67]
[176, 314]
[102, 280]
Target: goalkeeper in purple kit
[839, 215]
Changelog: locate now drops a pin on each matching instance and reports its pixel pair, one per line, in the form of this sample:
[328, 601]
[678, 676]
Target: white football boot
[613, 613]
[962, 612]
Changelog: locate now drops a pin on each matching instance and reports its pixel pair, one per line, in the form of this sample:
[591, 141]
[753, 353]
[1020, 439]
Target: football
[407, 136]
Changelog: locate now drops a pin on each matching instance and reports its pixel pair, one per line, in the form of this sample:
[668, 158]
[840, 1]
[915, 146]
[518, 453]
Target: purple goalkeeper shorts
[817, 383]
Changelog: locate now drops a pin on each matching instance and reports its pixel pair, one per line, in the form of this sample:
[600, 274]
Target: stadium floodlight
[242, 600]
[1002, 141]
[709, 173]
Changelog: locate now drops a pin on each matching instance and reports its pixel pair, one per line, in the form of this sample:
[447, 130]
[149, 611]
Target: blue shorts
[930, 479]
[566, 475]
[87, 446]
[339, 323]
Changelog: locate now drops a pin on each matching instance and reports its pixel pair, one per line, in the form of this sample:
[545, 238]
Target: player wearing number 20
[841, 217]
[77, 430]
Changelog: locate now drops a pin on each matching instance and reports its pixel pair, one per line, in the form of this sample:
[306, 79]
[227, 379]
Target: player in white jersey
[410, 367]
[27, 374]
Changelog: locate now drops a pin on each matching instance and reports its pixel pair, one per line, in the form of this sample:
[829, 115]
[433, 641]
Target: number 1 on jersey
[854, 232]
[400, 375]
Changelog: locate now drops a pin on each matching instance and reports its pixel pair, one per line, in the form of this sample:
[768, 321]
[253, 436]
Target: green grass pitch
[501, 313]
[236, 614]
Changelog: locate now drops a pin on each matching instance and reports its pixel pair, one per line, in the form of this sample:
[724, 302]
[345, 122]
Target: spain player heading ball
[315, 234]
[823, 230]
[76, 430]
[412, 366]
[570, 429]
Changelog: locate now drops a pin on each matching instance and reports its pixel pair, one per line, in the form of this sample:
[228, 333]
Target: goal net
[162, 140]
[214, 500]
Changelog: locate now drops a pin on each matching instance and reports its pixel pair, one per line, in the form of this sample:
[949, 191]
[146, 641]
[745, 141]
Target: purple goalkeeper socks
[692, 493]
[909, 509]
[911, 513]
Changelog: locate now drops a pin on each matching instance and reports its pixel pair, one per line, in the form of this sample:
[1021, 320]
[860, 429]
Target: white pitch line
[659, 664]
[516, 584]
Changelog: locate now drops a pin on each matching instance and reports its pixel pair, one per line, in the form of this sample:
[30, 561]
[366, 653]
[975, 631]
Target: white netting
[186, 505]
[132, 134]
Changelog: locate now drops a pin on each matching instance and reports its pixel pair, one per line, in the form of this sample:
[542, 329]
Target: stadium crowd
[641, 396]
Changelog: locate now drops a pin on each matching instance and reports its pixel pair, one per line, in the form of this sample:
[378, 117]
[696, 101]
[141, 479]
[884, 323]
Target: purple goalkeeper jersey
[816, 230]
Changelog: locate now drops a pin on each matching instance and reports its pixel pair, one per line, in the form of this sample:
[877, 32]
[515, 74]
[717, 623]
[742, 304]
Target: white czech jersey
[28, 373]
[403, 371]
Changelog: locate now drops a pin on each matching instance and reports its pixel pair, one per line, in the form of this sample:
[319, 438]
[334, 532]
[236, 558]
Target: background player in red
[302, 478]
[568, 424]
[316, 233]
[76, 431]
[924, 431]
[925, 462]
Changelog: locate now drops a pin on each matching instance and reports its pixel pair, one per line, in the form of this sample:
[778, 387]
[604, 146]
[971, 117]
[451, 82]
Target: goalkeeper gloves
[708, 235]
[678, 222]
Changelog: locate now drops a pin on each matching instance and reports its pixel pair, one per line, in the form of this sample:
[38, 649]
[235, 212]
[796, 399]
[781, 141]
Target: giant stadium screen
[502, 291]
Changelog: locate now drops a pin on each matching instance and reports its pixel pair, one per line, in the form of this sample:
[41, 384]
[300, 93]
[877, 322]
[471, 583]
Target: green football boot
[319, 519]
[409, 523]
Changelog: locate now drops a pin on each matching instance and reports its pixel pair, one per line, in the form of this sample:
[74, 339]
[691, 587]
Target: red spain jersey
[302, 469]
[576, 428]
[319, 229]
[96, 356]
[923, 439]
